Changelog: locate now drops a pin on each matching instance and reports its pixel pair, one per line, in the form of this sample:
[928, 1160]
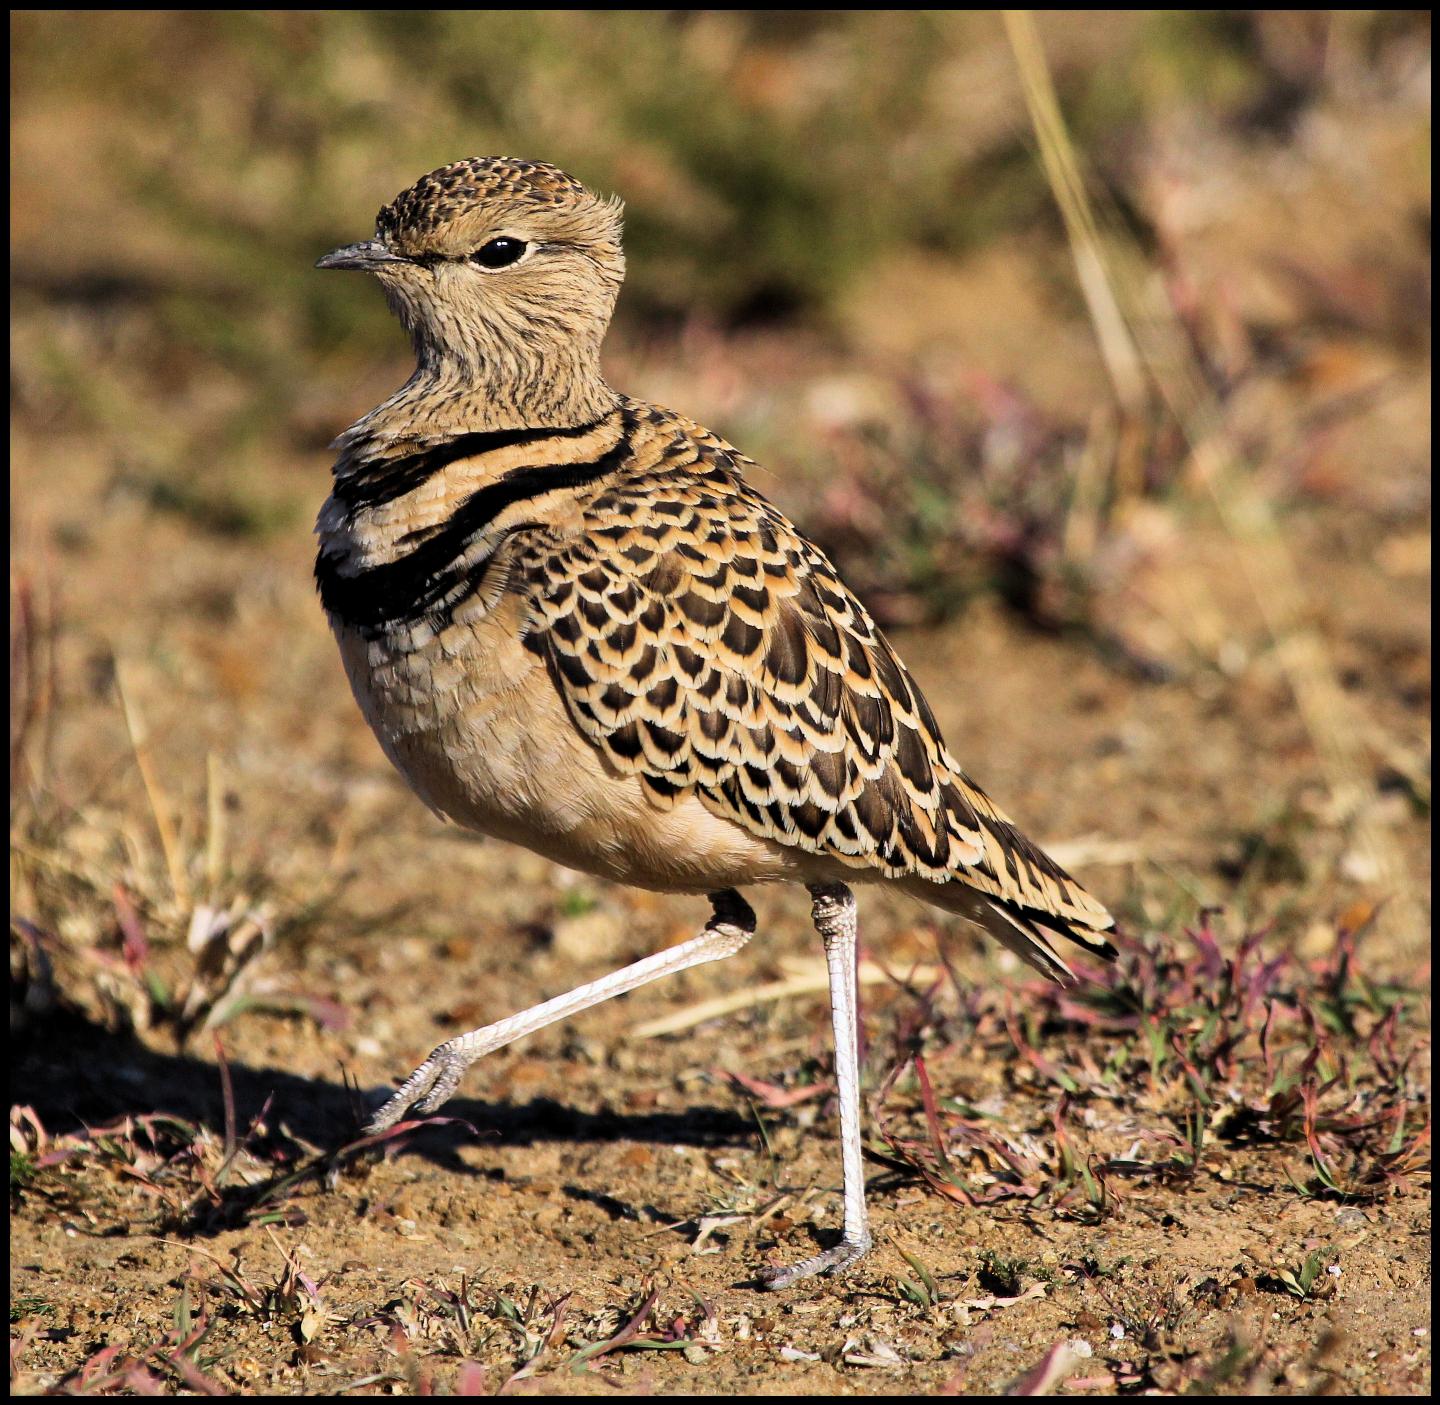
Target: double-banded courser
[574, 625]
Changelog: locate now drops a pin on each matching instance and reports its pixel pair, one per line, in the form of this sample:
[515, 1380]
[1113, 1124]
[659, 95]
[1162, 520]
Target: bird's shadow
[77, 1076]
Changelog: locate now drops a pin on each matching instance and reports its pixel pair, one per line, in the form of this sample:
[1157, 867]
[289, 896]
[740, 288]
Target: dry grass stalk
[808, 978]
[32, 684]
[1140, 337]
[159, 806]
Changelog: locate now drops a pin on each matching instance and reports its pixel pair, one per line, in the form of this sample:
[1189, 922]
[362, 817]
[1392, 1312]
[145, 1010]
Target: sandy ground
[585, 1158]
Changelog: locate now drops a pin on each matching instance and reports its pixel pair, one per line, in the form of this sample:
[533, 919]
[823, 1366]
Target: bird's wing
[702, 644]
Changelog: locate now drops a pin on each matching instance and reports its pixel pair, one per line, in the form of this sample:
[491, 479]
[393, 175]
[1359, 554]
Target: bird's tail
[1029, 932]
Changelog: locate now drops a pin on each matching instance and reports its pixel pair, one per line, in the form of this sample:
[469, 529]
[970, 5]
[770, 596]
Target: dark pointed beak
[367, 258]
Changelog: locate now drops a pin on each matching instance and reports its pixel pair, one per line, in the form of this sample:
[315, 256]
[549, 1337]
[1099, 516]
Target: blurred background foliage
[767, 157]
[176, 174]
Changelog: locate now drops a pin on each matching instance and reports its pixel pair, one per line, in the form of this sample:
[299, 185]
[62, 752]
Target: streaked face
[493, 250]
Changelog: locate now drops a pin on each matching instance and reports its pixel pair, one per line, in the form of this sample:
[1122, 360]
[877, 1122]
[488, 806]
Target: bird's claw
[427, 1090]
[843, 1257]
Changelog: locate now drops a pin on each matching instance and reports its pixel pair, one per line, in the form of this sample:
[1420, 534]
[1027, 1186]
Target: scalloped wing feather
[702, 644]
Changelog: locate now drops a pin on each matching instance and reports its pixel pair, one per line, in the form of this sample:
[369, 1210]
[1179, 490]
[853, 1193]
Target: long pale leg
[834, 914]
[731, 926]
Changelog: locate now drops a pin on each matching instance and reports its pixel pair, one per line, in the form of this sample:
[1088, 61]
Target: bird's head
[500, 270]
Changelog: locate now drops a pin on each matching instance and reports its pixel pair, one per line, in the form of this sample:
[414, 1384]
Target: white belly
[472, 721]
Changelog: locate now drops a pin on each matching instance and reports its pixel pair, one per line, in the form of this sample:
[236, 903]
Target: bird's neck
[488, 366]
[448, 395]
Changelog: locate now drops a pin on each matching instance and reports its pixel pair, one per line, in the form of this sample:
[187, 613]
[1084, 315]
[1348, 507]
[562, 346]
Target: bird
[574, 624]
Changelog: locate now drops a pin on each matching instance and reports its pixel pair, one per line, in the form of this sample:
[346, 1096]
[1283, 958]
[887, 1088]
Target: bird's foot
[843, 1257]
[427, 1089]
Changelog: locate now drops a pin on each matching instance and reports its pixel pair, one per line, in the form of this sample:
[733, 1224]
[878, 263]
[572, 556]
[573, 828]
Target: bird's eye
[498, 253]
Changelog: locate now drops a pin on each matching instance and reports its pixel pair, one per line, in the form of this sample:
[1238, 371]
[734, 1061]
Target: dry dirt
[584, 1157]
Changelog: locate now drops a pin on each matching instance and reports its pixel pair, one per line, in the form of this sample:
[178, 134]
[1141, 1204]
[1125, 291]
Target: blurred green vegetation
[176, 174]
[766, 156]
